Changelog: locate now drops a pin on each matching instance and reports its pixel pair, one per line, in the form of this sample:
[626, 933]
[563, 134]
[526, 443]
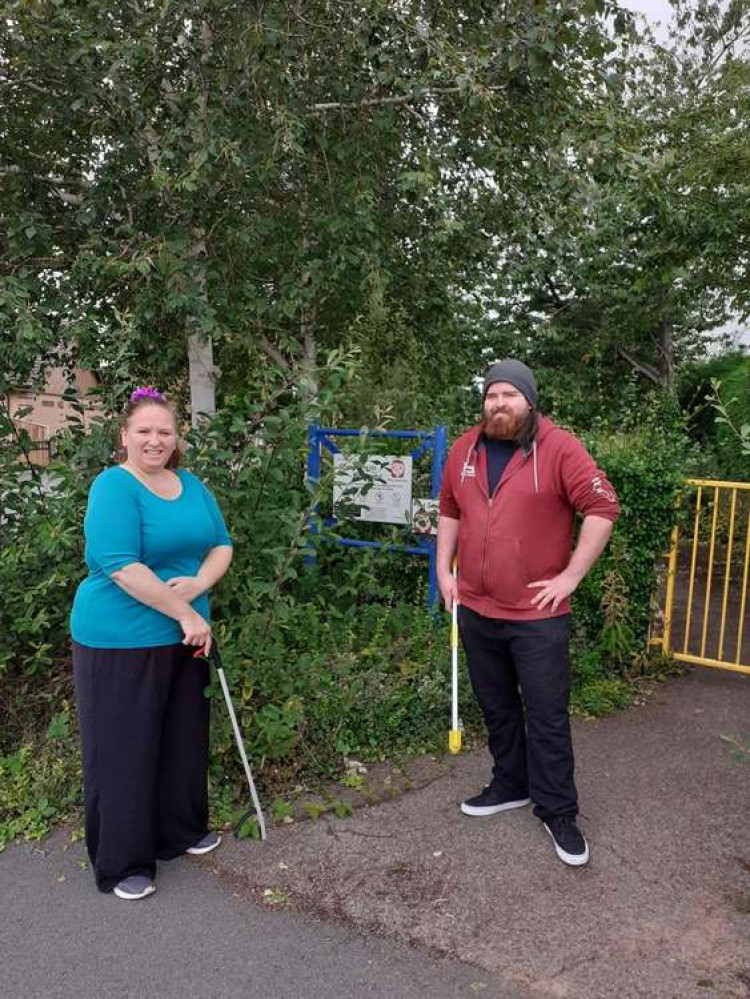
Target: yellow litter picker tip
[454, 733]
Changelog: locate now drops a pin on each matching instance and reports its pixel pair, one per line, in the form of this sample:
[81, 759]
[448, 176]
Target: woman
[156, 543]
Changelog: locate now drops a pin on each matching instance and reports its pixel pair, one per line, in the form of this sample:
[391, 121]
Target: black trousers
[520, 674]
[144, 736]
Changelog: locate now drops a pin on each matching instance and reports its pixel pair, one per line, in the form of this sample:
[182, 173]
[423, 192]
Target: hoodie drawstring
[467, 465]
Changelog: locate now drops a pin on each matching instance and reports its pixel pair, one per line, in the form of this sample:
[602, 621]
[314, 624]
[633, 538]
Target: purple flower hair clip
[146, 392]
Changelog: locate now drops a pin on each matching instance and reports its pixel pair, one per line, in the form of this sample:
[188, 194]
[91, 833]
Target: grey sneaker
[135, 887]
[209, 842]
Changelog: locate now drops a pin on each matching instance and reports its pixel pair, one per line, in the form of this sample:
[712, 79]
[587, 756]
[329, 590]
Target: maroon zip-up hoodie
[524, 531]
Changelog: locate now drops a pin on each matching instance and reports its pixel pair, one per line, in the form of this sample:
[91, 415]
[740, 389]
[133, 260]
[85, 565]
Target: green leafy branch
[722, 407]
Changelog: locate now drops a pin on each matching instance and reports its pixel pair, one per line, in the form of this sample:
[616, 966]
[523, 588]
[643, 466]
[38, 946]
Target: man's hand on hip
[552, 592]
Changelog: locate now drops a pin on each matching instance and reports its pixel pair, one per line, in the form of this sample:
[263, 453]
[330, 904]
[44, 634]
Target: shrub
[342, 660]
[612, 607]
[39, 783]
[696, 394]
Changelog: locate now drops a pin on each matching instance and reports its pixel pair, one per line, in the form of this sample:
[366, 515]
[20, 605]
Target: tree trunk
[201, 365]
[200, 348]
[666, 354]
[309, 316]
[310, 356]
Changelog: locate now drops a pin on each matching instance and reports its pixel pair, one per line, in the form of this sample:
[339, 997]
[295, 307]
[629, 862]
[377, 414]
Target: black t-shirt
[499, 454]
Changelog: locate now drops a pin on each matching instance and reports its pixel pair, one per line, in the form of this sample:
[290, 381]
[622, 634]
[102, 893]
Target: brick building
[48, 410]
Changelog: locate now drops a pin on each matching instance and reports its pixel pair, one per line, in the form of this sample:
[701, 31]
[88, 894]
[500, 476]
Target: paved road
[660, 913]
[197, 937]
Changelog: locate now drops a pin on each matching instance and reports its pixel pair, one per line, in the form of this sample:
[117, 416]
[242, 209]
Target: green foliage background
[341, 661]
[732, 372]
[358, 206]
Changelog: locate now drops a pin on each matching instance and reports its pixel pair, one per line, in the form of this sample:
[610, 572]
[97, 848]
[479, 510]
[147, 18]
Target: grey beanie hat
[515, 373]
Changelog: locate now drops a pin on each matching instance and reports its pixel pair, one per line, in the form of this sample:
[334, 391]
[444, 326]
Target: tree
[265, 183]
[638, 242]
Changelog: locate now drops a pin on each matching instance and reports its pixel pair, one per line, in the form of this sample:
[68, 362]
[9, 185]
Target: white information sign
[379, 485]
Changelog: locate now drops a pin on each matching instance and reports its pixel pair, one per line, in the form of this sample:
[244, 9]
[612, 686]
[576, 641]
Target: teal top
[125, 522]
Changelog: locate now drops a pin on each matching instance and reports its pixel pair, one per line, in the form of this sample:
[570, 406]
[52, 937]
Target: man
[510, 490]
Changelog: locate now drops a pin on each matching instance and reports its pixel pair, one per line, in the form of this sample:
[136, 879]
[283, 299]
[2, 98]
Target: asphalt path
[409, 898]
[198, 936]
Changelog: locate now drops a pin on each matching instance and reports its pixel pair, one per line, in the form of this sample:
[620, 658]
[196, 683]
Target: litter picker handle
[215, 660]
[454, 735]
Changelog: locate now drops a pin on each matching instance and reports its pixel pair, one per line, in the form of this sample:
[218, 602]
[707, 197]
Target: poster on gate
[376, 488]
[424, 516]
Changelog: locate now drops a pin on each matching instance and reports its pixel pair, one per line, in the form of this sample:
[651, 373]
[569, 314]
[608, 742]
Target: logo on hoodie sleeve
[599, 487]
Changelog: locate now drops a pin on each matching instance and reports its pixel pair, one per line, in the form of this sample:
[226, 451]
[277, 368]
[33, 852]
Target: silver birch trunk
[201, 374]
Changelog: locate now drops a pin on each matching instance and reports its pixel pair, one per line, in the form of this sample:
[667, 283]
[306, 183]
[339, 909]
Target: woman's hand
[186, 587]
[141, 583]
[197, 631]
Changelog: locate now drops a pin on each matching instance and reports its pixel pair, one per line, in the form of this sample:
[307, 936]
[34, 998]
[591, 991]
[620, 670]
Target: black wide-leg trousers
[144, 736]
[520, 674]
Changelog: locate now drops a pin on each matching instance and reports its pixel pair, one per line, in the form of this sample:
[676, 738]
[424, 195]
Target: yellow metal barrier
[717, 634]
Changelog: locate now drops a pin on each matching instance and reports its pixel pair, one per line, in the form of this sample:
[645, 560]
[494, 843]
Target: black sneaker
[570, 846]
[491, 801]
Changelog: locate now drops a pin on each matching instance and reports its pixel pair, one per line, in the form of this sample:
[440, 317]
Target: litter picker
[215, 660]
[454, 735]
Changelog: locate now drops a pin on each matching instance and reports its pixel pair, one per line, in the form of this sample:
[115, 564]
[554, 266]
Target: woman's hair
[144, 396]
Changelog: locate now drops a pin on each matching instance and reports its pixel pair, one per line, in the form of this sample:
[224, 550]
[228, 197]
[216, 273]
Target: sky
[655, 11]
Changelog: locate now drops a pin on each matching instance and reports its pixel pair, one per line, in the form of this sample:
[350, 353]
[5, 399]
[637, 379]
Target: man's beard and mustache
[503, 425]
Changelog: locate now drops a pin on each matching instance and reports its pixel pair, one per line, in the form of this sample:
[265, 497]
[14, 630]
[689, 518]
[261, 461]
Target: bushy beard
[502, 426]
[505, 426]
